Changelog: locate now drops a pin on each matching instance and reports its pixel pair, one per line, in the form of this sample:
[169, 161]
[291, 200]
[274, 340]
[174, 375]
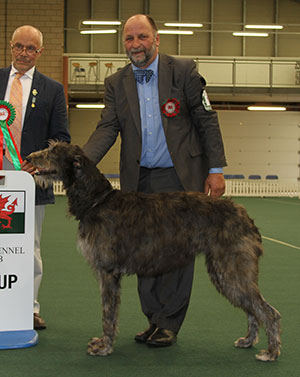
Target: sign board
[17, 203]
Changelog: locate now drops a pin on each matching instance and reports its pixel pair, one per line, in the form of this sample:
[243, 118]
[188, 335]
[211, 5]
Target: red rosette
[7, 112]
[171, 108]
[7, 117]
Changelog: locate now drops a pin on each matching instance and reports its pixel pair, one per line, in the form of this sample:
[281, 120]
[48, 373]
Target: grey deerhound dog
[150, 234]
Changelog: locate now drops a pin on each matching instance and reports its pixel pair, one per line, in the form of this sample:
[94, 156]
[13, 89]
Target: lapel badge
[205, 101]
[34, 93]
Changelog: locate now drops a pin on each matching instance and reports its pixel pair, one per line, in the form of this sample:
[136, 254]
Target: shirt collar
[153, 65]
[29, 73]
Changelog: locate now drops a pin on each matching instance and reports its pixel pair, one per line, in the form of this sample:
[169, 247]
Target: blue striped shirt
[155, 152]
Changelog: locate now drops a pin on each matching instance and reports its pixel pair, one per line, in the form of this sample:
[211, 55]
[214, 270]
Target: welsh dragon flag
[12, 212]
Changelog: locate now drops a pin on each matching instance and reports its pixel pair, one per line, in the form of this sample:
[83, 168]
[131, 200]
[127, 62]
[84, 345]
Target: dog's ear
[77, 167]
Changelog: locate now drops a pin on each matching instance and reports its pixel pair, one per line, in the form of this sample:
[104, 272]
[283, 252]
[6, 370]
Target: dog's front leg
[110, 287]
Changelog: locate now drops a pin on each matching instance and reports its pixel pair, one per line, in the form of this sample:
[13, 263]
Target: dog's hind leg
[110, 287]
[270, 318]
[252, 335]
[235, 275]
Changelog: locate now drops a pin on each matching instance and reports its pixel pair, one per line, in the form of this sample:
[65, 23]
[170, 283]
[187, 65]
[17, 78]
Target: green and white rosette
[7, 117]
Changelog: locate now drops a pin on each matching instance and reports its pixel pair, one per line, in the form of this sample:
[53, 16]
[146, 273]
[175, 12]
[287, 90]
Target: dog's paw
[99, 346]
[245, 342]
[267, 356]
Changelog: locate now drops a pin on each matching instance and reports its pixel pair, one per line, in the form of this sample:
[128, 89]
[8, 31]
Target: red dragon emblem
[4, 213]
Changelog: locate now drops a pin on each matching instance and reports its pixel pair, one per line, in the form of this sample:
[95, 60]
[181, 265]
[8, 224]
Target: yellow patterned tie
[15, 98]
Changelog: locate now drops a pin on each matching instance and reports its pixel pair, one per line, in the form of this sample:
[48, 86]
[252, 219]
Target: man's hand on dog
[215, 185]
[28, 167]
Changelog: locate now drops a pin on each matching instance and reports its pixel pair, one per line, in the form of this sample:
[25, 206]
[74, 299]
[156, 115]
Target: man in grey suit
[44, 118]
[171, 141]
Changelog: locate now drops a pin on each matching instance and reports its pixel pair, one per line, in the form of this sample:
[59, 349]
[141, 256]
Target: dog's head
[60, 161]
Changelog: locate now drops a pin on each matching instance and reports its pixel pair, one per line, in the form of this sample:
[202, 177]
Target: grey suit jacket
[47, 120]
[193, 136]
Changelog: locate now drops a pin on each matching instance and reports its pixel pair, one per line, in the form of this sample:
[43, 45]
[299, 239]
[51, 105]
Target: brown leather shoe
[38, 322]
[142, 337]
[161, 338]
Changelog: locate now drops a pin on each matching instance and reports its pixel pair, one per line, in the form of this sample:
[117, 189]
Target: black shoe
[142, 337]
[161, 338]
[38, 322]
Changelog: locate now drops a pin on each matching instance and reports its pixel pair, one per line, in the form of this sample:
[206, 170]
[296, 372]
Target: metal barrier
[218, 71]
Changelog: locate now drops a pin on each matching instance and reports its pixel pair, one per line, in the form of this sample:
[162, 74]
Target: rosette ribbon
[7, 116]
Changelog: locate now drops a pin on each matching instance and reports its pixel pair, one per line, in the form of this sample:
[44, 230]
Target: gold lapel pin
[34, 93]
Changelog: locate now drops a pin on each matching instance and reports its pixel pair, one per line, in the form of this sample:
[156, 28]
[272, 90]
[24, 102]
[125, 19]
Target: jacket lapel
[132, 97]
[164, 83]
[4, 76]
[37, 86]
[164, 88]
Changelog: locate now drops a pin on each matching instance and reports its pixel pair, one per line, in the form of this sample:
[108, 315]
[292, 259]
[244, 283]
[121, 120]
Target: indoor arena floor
[71, 306]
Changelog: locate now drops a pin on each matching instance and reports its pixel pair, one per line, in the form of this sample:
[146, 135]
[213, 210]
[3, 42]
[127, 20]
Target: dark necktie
[139, 75]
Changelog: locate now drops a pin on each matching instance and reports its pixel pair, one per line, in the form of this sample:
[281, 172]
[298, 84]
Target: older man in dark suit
[171, 141]
[43, 116]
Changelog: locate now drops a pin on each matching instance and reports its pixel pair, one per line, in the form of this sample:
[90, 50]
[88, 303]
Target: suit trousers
[38, 264]
[165, 298]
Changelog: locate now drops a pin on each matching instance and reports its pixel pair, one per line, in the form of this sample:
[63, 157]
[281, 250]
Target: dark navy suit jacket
[47, 120]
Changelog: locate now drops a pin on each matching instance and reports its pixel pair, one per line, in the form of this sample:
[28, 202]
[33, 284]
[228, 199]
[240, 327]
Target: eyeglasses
[30, 50]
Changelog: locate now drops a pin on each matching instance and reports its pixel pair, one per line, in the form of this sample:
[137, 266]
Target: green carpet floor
[70, 303]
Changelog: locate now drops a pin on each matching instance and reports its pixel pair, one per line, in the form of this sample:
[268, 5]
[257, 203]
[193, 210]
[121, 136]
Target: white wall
[82, 123]
[255, 142]
[261, 143]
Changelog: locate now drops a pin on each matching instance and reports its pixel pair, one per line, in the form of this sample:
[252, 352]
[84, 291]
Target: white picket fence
[234, 187]
[59, 189]
[261, 188]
